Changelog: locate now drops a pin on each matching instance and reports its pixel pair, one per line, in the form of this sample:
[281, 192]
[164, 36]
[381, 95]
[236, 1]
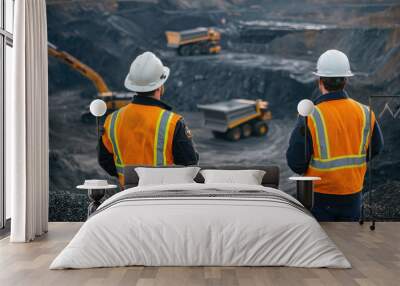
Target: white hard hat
[147, 73]
[333, 63]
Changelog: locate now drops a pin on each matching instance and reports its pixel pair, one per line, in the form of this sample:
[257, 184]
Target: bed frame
[270, 179]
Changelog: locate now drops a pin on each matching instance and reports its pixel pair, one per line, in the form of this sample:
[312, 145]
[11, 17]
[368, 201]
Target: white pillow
[247, 177]
[166, 176]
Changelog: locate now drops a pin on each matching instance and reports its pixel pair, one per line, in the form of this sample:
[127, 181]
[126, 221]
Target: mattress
[201, 225]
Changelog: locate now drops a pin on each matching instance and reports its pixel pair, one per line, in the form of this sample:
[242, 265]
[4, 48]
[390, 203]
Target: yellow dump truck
[237, 118]
[199, 41]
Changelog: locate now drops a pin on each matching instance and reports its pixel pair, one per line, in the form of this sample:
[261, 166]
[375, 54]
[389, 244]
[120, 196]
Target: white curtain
[27, 124]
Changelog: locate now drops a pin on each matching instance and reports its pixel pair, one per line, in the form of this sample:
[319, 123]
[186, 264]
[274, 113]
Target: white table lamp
[305, 185]
[305, 108]
[98, 108]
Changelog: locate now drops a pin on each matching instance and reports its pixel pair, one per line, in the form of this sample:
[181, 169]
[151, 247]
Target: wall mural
[385, 185]
[268, 51]
[395, 114]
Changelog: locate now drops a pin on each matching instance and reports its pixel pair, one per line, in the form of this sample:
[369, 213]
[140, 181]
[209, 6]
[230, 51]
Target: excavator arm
[85, 70]
[113, 100]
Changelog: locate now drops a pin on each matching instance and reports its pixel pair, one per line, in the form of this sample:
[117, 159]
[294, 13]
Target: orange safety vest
[341, 131]
[140, 135]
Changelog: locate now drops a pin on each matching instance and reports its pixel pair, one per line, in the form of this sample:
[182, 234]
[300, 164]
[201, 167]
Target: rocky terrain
[269, 51]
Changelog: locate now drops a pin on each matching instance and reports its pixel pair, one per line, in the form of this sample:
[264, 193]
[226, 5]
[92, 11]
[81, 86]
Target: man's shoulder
[116, 112]
[342, 100]
[177, 115]
[109, 116]
[181, 129]
[364, 106]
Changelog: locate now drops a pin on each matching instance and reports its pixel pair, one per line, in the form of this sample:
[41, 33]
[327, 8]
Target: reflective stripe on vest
[339, 162]
[321, 133]
[366, 129]
[327, 163]
[112, 134]
[161, 138]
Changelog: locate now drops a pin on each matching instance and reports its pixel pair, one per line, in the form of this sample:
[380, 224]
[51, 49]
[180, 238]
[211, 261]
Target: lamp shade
[305, 107]
[98, 107]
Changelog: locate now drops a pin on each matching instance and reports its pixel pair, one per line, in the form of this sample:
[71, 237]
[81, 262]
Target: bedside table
[305, 190]
[96, 190]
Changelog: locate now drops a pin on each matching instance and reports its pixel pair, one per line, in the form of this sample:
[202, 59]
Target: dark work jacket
[183, 149]
[295, 154]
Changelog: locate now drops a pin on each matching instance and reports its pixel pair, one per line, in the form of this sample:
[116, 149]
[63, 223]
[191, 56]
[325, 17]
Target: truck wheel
[196, 50]
[260, 129]
[205, 49]
[247, 130]
[185, 50]
[218, 135]
[234, 134]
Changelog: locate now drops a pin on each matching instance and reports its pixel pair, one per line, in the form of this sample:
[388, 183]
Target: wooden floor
[375, 257]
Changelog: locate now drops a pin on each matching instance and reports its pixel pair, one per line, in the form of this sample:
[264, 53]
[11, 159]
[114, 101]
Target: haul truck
[237, 118]
[114, 100]
[195, 42]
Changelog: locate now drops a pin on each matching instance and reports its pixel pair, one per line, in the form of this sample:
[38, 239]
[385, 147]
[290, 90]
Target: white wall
[9, 12]
[9, 27]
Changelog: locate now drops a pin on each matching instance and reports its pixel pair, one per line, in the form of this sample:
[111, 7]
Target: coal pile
[269, 51]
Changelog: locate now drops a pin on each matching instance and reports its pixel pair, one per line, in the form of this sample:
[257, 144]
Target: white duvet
[190, 231]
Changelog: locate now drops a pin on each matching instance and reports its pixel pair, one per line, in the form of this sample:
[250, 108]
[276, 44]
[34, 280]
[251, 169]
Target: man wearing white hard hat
[339, 134]
[146, 131]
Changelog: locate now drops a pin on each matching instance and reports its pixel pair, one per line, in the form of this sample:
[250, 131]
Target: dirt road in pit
[300, 70]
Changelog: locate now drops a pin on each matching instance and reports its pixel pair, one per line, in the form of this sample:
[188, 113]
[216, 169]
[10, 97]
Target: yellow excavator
[114, 100]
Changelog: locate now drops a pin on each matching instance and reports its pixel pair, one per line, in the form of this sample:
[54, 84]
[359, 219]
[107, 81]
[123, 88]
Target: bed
[197, 224]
